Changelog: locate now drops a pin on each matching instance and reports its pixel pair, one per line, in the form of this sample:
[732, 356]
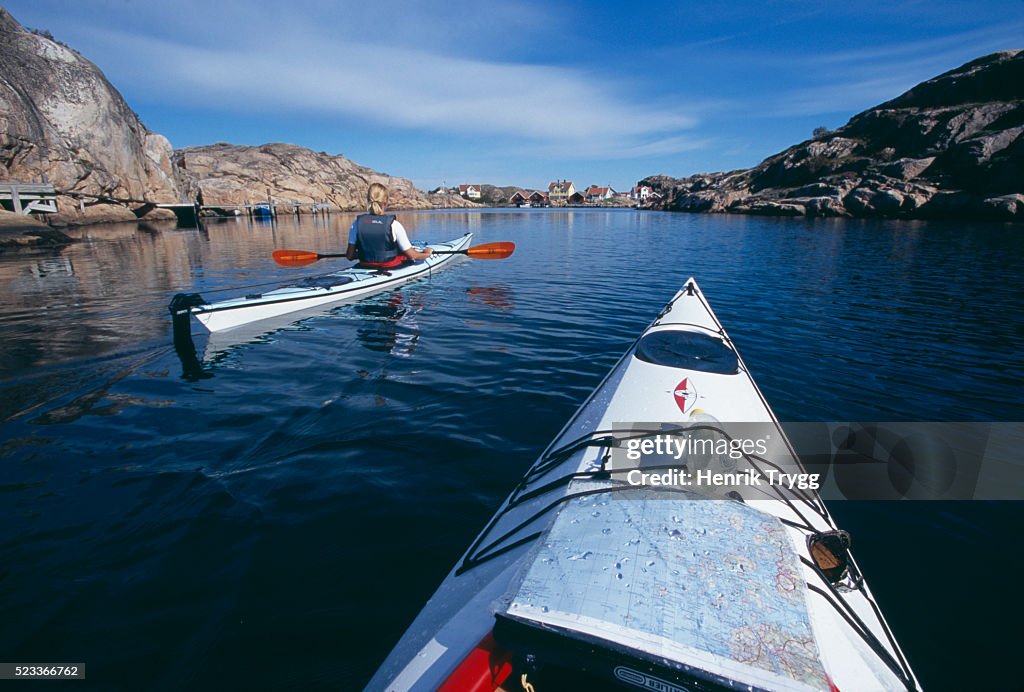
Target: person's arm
[351, 252]
[414, 254]
[404, 246]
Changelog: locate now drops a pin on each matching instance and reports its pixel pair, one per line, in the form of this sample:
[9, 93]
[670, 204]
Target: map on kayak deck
[712, 584]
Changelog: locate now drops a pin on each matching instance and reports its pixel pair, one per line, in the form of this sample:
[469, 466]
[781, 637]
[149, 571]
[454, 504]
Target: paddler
[379, 240]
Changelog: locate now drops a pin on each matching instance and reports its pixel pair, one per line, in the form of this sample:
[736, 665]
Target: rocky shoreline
[17, 230]
[61, 121]
[951, 147]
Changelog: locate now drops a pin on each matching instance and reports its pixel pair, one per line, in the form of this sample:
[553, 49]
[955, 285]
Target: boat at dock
[263, 211]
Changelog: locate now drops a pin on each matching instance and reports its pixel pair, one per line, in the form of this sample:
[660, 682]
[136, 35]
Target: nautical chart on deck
[709, 583]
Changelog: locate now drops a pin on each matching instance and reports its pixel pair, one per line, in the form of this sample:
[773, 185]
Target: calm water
[281, 521]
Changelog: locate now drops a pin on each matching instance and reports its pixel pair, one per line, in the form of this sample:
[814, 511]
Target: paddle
[488, 251]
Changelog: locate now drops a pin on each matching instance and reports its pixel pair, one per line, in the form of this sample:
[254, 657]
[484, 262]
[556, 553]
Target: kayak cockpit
[689, 349]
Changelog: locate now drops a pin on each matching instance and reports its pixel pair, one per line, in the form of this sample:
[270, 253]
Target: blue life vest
[373, 238]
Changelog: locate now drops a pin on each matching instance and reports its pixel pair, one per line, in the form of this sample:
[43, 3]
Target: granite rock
[950, 147]
[229, 174]
[61, 121]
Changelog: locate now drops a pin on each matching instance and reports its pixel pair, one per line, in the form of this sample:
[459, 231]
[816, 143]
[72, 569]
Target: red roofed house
[519, 198]
[470, 191]
[560, 191]
[596, 194]
[540, 199]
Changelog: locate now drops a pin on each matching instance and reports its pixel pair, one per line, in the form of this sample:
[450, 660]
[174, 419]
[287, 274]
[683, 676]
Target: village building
[642, 193]
[470, 191]
[598, 194]
[560, 191]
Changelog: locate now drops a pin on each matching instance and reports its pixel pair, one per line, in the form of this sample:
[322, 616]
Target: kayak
[668, 538]
[312, 292]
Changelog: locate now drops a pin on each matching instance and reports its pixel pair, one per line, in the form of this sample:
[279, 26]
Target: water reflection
[101, 441]
[497, 297]
[52, 266]
[112, 285]
[389, 323]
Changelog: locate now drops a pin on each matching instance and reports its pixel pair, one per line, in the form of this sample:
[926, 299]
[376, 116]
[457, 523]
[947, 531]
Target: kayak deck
[686, 585]
[675, 580]
[321, 290]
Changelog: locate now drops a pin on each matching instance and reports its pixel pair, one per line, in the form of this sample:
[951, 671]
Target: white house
[595, 194]
[643, 193]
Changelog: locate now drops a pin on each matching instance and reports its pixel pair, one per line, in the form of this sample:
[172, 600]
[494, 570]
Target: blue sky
[520, 92]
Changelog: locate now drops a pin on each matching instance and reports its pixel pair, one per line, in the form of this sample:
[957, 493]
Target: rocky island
[62, 122]
[229, 174]
[951, 147]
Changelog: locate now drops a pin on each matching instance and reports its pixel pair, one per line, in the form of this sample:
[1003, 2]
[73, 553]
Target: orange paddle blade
[499, 250]
[294, 258]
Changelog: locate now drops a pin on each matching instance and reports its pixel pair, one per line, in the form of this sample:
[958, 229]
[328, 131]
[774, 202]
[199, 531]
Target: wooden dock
[273, 209]
[25, 198]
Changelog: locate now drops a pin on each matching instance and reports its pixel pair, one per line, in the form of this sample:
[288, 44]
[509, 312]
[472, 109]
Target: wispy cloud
[861, 78]
[635, 148]
[543, 83]
[305, 71]
[941, 49]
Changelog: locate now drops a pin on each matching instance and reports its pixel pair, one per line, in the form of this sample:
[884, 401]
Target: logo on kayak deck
[686, 395]
[647, 682]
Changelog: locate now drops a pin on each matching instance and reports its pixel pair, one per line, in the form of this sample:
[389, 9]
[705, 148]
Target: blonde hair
[376, 198]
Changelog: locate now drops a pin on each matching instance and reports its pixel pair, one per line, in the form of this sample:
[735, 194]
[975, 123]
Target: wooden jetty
[25, 198]
[275, 208]
[186, 212]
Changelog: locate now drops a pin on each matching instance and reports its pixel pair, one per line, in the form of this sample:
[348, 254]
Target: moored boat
[668, 538]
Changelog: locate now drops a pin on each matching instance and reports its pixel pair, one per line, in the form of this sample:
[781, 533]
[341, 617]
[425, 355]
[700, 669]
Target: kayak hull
[703, 593]
[348, 284]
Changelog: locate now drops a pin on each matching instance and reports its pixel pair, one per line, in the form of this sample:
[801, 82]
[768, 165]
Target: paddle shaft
[299, 258]
[436, 252]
